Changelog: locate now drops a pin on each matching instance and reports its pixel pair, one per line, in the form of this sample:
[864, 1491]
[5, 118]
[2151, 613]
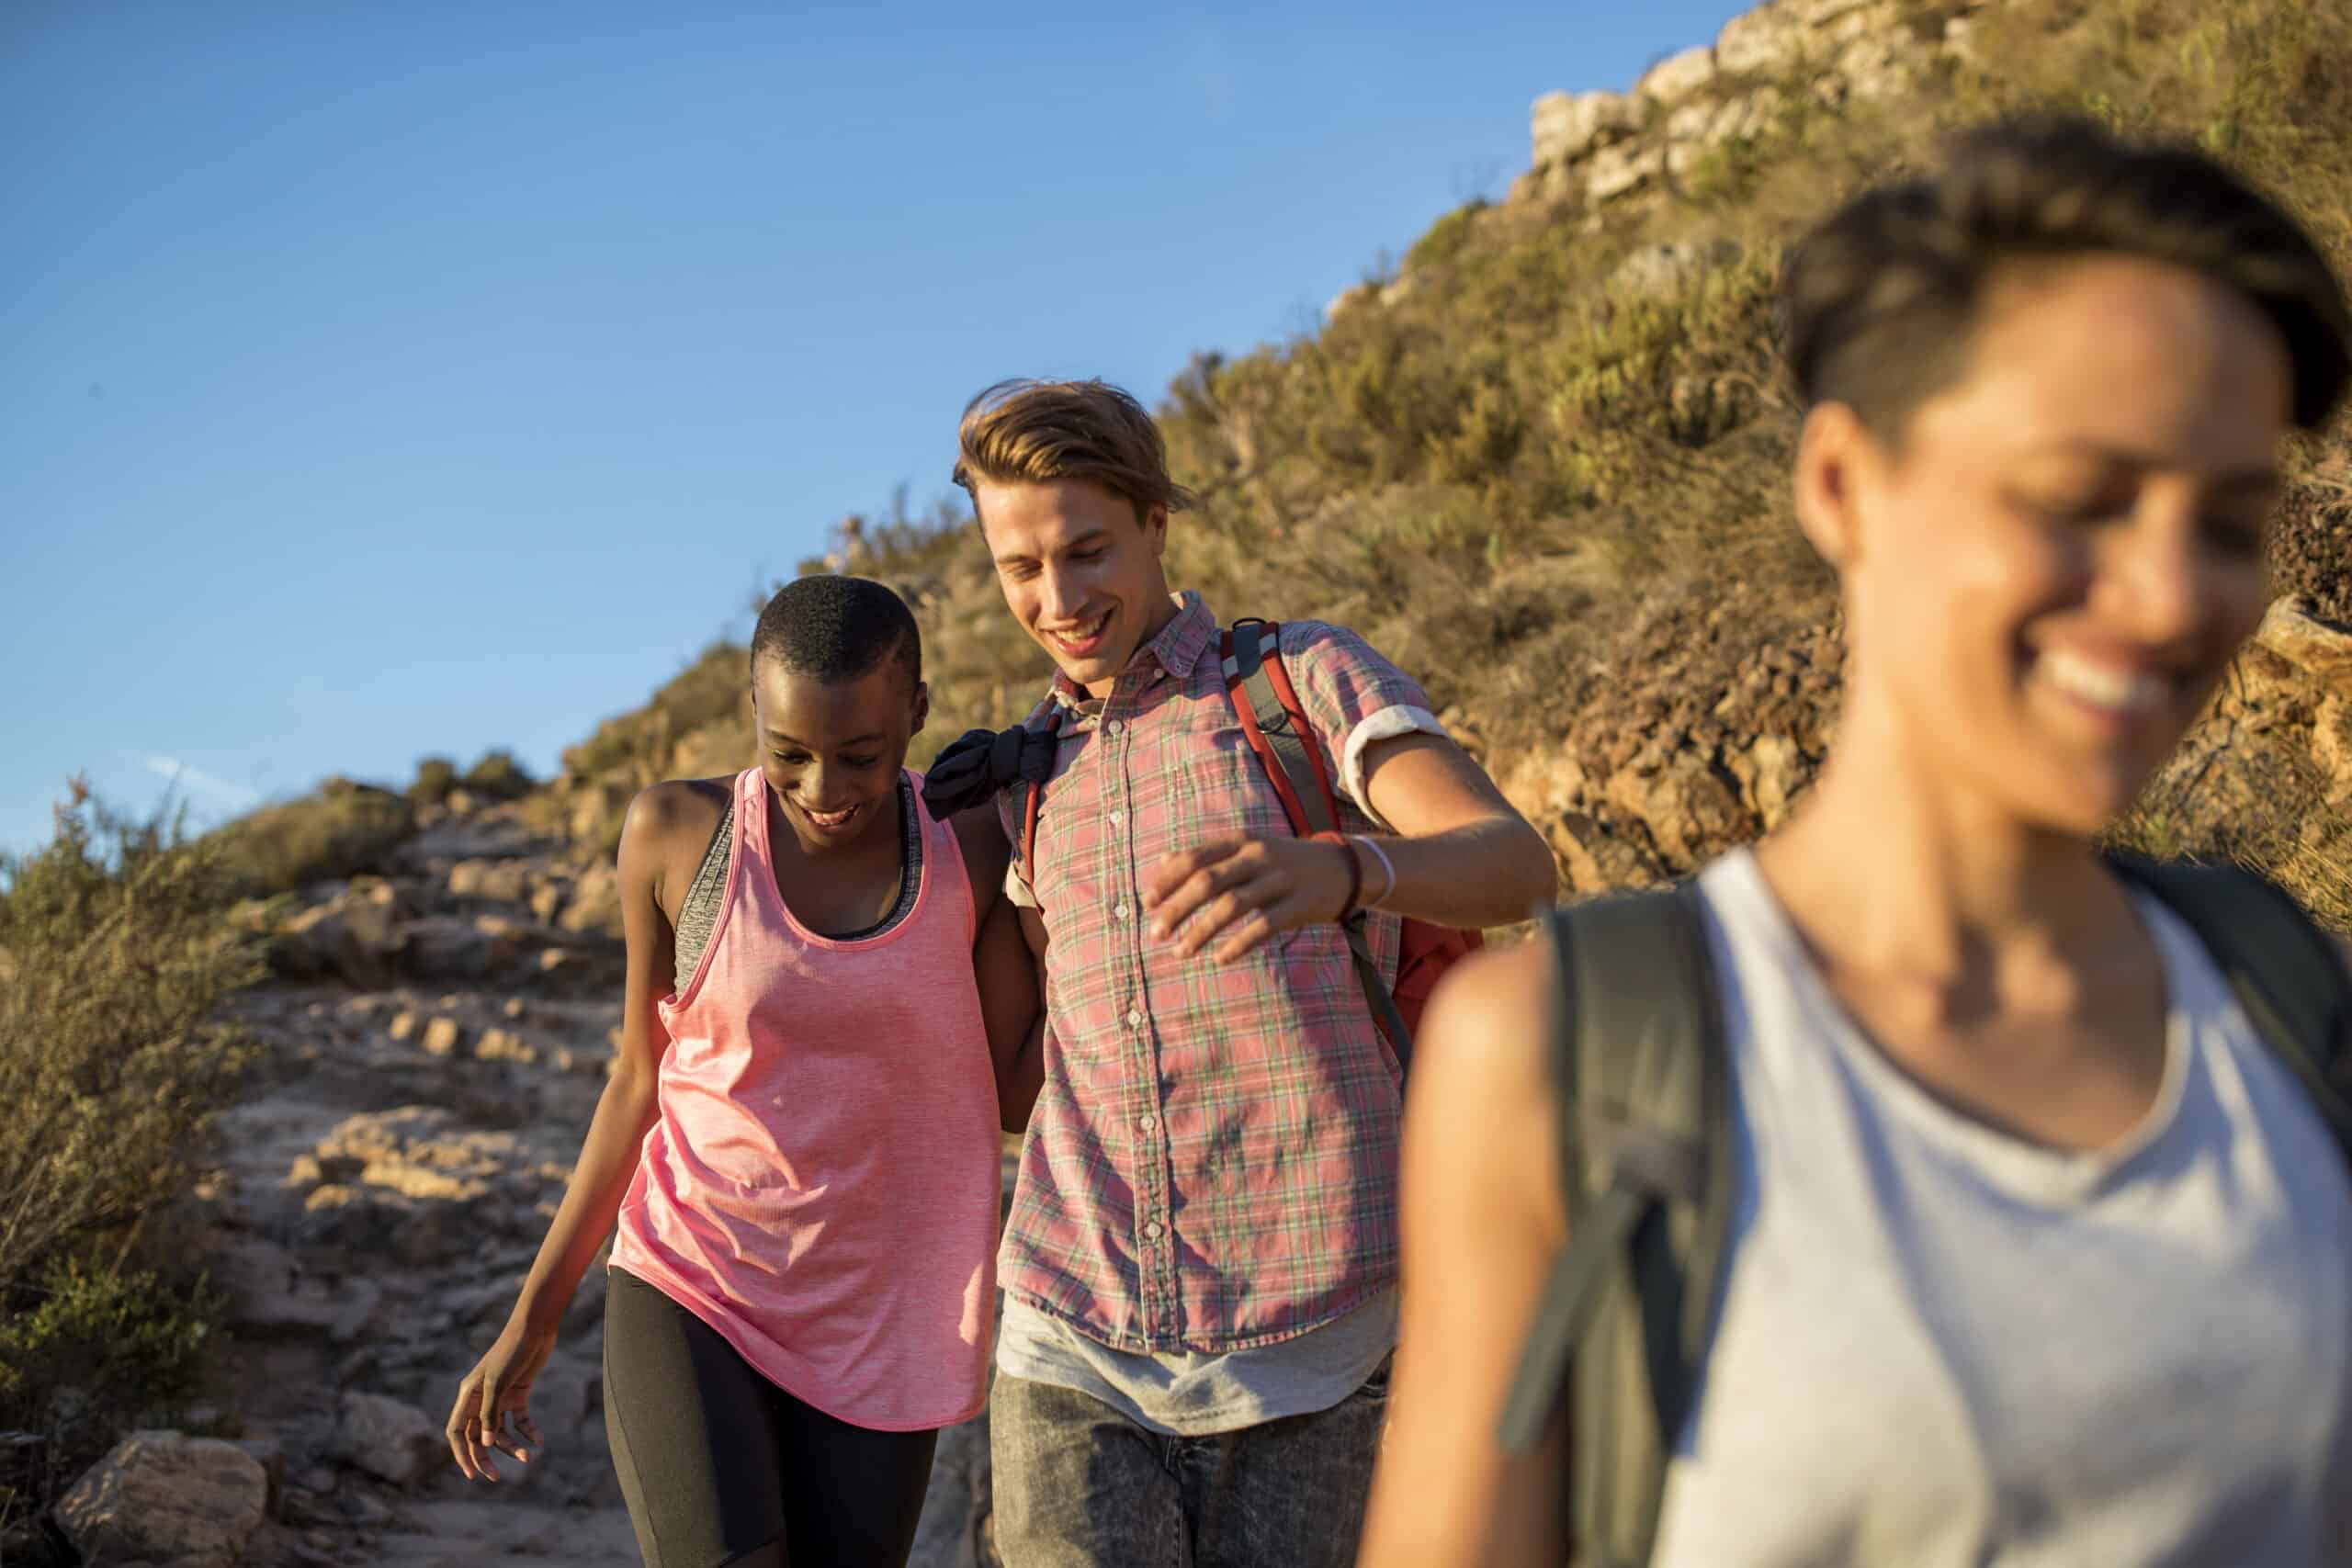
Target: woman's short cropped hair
[1027, 431]
[837, 628]
[1881, 301]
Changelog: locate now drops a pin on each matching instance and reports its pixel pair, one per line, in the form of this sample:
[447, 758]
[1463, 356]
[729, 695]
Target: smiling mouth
[829, 821]
[2118, 693]
[1085, 638]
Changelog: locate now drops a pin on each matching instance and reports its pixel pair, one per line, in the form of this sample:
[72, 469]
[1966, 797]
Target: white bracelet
[1385, 864]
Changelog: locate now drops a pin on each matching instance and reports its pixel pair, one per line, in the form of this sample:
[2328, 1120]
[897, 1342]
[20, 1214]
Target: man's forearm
[1494, 872]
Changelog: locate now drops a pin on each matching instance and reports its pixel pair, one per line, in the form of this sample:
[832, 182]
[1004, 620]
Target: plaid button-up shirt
[1212, 1163]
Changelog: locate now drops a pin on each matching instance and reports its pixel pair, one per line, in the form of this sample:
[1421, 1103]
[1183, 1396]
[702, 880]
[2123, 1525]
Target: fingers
[1181, 900]
[464, 1430]
[1173, 871]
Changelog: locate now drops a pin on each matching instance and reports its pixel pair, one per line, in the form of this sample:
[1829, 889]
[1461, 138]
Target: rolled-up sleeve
[1353, 697]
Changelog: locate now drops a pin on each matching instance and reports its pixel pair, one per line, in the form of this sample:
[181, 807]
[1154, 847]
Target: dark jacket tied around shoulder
[980, 762]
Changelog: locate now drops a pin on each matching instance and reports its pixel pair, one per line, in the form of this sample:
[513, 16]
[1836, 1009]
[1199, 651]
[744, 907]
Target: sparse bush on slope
[115, 948]
[342, 828]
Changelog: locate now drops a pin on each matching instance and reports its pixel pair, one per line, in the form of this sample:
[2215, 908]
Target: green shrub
[89, 1351]
[119, 949]
[1446, 238]
[436, 777]
[116, 949]
[497, 776]
[344, 829]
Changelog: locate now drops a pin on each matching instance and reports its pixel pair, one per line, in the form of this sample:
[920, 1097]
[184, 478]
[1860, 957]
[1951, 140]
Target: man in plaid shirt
[1200, 1264]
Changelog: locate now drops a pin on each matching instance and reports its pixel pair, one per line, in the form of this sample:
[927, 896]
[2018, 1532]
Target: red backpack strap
[1260, 689]
[1048, 714]
[1267, 704]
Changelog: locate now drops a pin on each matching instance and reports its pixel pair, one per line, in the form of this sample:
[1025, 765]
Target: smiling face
[2047, 580]
[1079, 571]
[832, 749]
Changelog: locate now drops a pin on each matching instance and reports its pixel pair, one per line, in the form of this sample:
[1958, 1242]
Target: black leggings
[720, 1466]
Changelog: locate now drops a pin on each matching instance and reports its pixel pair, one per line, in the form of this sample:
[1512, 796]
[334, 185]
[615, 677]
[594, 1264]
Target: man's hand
[1237, 891]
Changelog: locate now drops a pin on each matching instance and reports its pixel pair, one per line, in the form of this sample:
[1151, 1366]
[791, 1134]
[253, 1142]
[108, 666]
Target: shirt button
[1134, 1021]
[1111, 726]
[1148, 1122]
[1117, 817]
[1151, 1231]
[1120, 910]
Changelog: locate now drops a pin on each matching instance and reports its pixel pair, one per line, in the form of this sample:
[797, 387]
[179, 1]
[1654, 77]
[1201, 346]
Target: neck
[1907, 870]
[1165, 609]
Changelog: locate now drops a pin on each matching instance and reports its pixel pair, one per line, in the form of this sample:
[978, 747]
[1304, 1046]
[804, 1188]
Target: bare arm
[500, 1384]
[1483, 1222]
[1013, 1001]
[1462, 855]
[1011, 978]
[626, 1110]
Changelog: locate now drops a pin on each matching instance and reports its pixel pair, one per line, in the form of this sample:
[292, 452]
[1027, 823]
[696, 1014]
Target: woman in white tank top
[2038, 1253]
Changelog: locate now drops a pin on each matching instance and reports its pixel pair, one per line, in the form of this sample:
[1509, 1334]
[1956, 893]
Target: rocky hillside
[1544, 464]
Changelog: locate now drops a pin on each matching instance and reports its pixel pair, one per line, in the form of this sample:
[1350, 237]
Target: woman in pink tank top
[831, 1013]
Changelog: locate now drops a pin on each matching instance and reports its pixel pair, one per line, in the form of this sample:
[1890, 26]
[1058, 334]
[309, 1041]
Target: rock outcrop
[1601, 145]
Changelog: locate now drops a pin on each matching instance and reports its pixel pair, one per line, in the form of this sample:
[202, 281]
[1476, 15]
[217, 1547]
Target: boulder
[163, 1497]
[444, 947]
[388, 1439]
[356, 936]
[1677, 76]
[1620, 170]
[1565, 127]
[596, 902]
[501, 881]
[2312, 646]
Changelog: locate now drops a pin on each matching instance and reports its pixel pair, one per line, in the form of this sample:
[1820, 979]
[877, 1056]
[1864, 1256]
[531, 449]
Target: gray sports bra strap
[698, 910]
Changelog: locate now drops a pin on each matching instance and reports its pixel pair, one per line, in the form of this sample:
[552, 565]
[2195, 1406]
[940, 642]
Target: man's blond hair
[1030, 432]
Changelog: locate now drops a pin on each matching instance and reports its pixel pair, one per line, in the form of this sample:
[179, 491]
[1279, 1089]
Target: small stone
[405, 1023]
[385, 1437]
[443, 1036]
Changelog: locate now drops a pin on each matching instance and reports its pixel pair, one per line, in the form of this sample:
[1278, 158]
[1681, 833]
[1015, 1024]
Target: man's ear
[1155, 529]
[1837, 455]
[922, 705]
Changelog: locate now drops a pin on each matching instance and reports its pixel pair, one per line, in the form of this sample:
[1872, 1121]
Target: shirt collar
[1177, 648]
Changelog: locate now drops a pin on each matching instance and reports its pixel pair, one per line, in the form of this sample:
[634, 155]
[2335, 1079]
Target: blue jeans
[1079, 1485]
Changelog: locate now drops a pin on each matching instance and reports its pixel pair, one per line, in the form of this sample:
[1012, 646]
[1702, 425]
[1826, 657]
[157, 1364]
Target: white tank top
[1940, 1346]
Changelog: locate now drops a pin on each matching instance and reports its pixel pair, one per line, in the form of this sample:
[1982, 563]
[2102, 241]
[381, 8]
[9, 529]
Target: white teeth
[1086, 633]
[2103, 686]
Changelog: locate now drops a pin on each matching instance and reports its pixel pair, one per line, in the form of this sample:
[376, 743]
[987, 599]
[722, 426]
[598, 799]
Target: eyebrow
[2239, 481]
[1085, 539]
[852, 741]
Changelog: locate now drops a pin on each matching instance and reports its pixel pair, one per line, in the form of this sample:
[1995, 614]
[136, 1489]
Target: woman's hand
[498, 1389]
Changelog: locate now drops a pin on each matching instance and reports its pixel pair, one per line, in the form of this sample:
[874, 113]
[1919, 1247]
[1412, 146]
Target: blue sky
[378, 380]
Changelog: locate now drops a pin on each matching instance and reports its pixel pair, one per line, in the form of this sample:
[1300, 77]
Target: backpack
[1260, 689]
[1637, 1053]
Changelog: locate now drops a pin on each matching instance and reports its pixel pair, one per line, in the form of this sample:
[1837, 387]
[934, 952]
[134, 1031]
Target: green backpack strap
[2285, 971]
[1638, 1062]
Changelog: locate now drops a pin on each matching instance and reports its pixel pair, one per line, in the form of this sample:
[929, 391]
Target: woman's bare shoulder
[665, 816]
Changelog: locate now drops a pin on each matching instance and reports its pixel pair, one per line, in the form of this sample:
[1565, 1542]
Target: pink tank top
[820, 1185]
